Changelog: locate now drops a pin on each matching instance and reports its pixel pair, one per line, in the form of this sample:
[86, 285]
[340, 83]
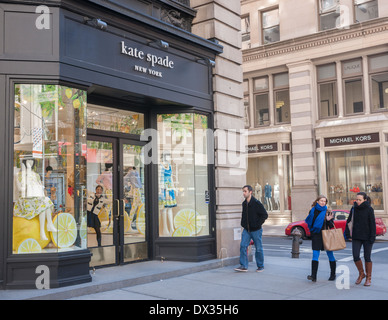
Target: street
[284, 278]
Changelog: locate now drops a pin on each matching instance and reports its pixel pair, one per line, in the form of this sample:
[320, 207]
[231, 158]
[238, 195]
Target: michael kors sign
[353, 139]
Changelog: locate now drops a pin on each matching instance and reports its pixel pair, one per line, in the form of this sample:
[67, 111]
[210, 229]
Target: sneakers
[241, 269]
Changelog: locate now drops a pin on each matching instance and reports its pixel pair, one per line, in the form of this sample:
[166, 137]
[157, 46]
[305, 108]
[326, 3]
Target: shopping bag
[333, 239]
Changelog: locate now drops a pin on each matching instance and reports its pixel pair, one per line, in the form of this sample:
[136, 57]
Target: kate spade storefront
[106, 160]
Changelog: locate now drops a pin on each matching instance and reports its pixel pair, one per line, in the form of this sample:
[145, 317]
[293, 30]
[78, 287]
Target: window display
[49, 153]
[183, 175]
[263, 177]
[352, 171]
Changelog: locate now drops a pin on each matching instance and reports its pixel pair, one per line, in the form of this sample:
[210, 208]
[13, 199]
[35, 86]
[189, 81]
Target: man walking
[253, 217]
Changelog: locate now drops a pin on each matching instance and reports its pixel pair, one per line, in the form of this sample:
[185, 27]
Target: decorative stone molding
[316, 40]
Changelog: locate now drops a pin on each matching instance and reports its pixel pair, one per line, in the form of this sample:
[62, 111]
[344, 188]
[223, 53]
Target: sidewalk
[288, 273]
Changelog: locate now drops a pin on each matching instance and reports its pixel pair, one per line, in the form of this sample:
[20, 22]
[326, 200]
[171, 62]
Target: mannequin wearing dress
[276, 195]
[268, 196]
[167, 199]
[258, 191]
[32, 200]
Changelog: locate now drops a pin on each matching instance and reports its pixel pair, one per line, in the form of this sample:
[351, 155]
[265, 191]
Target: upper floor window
[327, 90]
[353, 86]
[261, 89]
[366, 9]
[270, 26]
[378, 69]
[246, 104]
[282, 98]
[328, 14]
[245, 31]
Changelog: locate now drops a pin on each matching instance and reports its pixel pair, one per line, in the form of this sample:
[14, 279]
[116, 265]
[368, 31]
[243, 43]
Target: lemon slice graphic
[187, 218]
[67, 230]
[29, 246]
[182, 232]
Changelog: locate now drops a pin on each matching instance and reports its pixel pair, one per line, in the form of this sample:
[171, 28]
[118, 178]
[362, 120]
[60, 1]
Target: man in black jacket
[253, 217]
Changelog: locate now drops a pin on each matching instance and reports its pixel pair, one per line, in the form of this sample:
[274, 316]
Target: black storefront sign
[260, 148]
[352, 139]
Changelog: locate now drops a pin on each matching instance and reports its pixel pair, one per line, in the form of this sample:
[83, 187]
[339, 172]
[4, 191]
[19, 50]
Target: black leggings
[356, 248]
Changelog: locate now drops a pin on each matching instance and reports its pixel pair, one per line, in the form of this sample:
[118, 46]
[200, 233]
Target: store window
[287, 180]
[327, 90]
[183, 175]
[378, 68]
[328, 14]
[270, 26]
[282, 98]
[366, 10]
[353, 86]
[116, 120]
[49, 212]
[261, 101]
[349, 172]
[264, 178]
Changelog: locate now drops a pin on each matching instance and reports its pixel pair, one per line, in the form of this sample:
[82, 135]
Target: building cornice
[315, 40]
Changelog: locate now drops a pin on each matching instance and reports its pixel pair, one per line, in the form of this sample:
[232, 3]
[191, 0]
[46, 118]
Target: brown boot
[368, 268]
[361, 274]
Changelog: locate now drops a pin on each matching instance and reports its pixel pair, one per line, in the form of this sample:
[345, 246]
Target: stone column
[220, 20]
[302, 99]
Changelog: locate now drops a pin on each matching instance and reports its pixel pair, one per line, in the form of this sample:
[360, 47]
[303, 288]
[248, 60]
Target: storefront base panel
[54, 271]
[191, 251]
[276, 218]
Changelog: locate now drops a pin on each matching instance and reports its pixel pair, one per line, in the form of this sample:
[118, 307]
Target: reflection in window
[327, 91]
[49, 169]
[282, 98]
[245, 32]
[328, 14]
[116, 120]
[378, 66]
[353, 171]
[262, 110]
[270, 26]
[353, 86]
[183, 175]
[366, 10]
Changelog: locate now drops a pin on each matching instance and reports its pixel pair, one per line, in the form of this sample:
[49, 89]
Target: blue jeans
[245, 240]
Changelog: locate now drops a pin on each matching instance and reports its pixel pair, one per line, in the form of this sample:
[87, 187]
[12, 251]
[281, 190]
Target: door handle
[117, 213]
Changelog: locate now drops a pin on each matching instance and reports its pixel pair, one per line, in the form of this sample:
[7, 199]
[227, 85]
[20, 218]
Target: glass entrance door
[115, 200]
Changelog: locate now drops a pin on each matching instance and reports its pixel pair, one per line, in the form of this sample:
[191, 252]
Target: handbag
[333, 239]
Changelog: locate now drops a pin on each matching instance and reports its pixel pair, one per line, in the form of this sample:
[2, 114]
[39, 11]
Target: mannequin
[167, 198]
[31, 198]
[268, 196]
[134, 179]
[258, 191]
[276, 195]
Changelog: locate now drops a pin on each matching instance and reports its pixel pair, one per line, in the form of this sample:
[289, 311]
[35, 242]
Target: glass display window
[378, 69]
[116, 120]
[183, 175]
[263, 176]
[49, 172]
[352, 171]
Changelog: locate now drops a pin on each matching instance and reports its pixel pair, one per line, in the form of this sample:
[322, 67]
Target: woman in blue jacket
[316, 222]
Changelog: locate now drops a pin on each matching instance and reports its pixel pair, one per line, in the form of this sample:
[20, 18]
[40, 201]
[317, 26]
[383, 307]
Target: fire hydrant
[296, 241]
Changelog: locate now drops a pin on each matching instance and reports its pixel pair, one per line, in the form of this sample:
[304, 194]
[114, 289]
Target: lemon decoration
[187, 218]
[83, 230]
[69, 93]
[140, 220]
[24, 228]
[182, 232]
[76, 104]
[29, 246]
[67, 230]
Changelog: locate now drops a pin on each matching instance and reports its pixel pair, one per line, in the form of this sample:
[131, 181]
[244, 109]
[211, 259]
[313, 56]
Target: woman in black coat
[361, 227]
